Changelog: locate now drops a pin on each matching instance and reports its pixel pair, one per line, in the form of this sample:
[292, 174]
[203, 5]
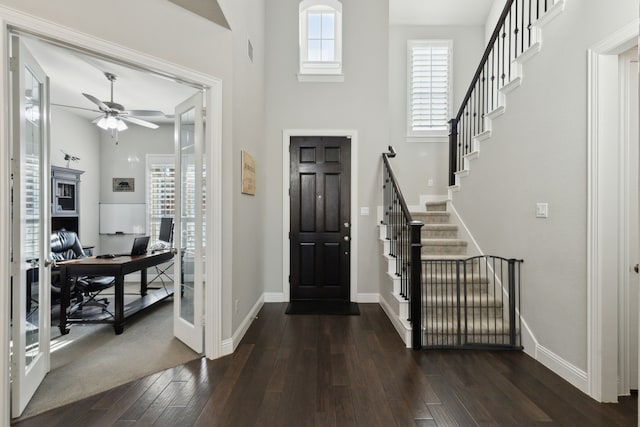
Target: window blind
[429, 86]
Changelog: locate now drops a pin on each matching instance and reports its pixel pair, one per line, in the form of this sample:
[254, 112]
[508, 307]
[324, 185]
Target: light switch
[364, 211]
[542, 210]
[429, 182]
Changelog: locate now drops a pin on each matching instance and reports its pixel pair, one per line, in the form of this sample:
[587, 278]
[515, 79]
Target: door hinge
[289, 279]
[13, 63]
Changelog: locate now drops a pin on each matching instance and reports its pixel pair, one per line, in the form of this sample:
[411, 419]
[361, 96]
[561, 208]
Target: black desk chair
[65, 245]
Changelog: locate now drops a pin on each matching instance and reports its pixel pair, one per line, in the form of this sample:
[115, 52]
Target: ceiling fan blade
[97, 119]
[144, 113]
[139, 122]
[102, 105]
[76, 108]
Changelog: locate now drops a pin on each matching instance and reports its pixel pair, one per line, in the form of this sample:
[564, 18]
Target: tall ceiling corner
[208, 9]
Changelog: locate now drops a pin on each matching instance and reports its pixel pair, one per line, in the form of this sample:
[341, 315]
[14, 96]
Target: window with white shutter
[161, 193]
[429, 87]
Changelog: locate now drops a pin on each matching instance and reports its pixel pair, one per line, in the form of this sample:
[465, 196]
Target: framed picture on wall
[248, 174]
[122, 185]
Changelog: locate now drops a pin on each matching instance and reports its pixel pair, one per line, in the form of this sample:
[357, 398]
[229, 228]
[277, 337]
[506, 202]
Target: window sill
[321, 78]
[430, 138]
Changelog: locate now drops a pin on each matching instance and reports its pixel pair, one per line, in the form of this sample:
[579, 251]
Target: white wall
[360, 103]
[127, 159]
[492, 19]
[538, 153]
[80, 138]
[422, 161]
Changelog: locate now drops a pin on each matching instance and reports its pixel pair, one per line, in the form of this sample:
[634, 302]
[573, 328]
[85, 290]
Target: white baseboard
[574, 375]
[274, 297]
[368, 298]
[230, 345]
[403, 331]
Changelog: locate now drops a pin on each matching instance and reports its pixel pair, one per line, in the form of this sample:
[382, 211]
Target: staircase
[464, 303]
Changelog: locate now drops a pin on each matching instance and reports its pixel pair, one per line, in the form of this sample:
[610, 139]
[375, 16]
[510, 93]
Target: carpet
[323, 307]
[92, 358]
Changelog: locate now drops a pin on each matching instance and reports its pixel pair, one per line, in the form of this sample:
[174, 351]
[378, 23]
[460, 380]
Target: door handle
[347, 225]
[346, 238]
[49, 262]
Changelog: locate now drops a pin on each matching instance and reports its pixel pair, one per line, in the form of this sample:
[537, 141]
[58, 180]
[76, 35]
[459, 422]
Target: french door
[189, 225]
[31, 219]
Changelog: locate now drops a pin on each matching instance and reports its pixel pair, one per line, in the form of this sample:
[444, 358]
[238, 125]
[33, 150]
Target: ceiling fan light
[112, 122]
[121, 125]
[103, 123]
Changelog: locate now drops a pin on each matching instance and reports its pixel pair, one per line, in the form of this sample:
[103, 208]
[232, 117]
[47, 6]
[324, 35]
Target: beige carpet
[92, 358]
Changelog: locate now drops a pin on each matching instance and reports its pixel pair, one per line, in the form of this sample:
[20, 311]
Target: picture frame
[248, 174]
[124, 185]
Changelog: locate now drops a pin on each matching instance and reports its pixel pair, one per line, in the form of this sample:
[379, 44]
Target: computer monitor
[140, 245]
[166, 230]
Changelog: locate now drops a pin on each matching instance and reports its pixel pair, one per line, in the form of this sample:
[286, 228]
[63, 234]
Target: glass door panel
[189, 294]
[30, 243]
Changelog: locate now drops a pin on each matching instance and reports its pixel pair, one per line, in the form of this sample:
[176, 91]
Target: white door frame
[286, 205]
[605, 211]
[10, 18]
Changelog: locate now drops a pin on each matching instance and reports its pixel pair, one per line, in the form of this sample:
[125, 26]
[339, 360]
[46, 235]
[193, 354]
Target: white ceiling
[438, 12]
[72, 73]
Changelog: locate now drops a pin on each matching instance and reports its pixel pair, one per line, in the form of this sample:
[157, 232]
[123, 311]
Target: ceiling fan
[115, 115]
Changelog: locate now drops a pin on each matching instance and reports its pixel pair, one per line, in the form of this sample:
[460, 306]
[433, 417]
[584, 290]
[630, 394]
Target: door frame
[12, 19]
[286, 205]
[605, 164]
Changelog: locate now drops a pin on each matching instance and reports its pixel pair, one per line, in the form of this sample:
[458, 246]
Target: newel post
[453, 150]
[416, 285]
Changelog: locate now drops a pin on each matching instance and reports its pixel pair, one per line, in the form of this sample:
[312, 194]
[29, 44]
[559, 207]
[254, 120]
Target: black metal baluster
[510, 26]
[529, 26]
[522, 27]
[517, 30]
[537, 9]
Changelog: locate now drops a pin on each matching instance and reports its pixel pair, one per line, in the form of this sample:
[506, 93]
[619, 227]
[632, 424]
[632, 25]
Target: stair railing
[513, 35]
[405, 245]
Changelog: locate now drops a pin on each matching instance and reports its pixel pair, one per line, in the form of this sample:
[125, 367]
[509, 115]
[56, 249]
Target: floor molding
[230, 345]
[571, 373]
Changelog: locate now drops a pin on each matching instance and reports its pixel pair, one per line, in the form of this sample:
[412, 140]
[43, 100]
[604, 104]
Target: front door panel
[320, 218]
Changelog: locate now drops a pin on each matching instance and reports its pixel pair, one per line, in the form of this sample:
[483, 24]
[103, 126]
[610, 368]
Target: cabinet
[65, 198]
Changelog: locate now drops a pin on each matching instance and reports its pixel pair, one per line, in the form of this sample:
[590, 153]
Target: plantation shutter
[162, 199]
[161, 196]
[429, 86]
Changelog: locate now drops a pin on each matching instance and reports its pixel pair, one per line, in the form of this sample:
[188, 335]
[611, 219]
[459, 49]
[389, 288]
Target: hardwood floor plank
[344, 371]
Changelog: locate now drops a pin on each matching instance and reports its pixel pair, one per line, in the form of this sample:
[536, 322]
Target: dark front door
[320, 217]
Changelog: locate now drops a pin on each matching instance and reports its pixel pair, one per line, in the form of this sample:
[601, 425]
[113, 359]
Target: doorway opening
[62, 40]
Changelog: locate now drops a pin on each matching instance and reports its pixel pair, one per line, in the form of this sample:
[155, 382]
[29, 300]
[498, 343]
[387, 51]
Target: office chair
[165, 239]
[65, 245]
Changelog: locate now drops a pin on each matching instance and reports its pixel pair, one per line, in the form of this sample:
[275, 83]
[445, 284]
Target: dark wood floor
[343, 371]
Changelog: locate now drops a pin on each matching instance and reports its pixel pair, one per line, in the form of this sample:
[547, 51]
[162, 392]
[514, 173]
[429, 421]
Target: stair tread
[441, 226]
[429, 241]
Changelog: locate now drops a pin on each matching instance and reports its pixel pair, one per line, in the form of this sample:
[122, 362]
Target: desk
[117, 267]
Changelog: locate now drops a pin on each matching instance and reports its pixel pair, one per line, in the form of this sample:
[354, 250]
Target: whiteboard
[123, 218]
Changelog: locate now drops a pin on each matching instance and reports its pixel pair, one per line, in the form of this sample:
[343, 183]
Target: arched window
[320, 40]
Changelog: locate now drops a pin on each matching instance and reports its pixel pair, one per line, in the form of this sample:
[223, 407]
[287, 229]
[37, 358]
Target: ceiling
[71, 73]
[438, 12]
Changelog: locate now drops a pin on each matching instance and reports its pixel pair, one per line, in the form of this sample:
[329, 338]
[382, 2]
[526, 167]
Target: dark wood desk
[117, 267]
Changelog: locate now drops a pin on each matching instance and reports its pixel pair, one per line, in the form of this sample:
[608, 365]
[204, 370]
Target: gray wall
[79, 138]
[119, 161]
[538, 153]
[360, 102]
[421, 161]
[246, 18]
